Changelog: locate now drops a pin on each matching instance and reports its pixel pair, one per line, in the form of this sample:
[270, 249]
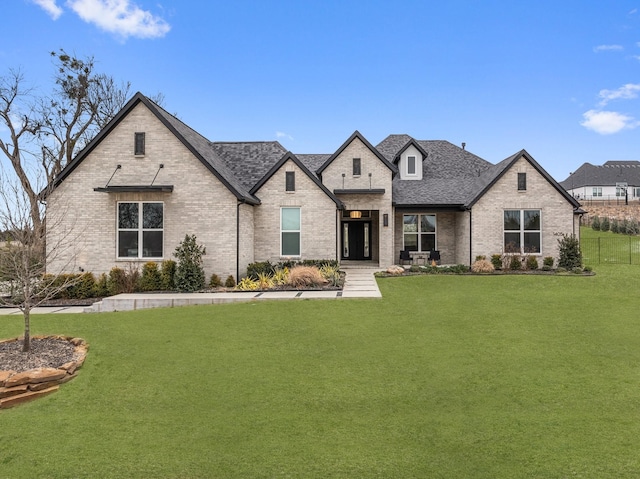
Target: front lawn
[444, 377]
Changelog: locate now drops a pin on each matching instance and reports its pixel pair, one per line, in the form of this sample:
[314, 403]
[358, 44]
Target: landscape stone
[35, 376]
[28, 396]
[6, 392]
[4, 375]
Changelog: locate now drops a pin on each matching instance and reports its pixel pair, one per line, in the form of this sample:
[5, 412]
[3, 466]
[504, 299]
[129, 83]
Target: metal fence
[616, 250]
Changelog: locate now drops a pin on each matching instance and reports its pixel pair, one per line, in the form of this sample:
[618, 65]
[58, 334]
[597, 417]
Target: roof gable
[288, 156]
[197, 144]
[373, 150]
[491, 176]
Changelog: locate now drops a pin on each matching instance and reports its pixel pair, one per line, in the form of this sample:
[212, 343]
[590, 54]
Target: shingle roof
[249, 161]
[609, 174]
[450, 174]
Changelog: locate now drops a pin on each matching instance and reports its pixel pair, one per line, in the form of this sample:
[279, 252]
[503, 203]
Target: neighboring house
[148, 179]
[615, 180]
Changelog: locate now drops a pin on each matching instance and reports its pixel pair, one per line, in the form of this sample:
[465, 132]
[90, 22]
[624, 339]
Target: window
[290, 231]
[636, 192]
[138, 148]
[290, 181]
[140, 230]
[597, 191]
[522, 182]
[621, 191]
[357, 167]
[522, 233]
[411, 165]
[419, 232]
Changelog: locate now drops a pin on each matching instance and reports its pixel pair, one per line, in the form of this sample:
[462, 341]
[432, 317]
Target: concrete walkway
[359, 283]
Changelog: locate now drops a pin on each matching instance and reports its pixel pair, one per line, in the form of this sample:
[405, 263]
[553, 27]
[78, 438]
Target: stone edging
[17, 388]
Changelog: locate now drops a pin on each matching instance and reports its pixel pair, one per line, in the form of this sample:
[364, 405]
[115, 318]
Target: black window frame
[290, 181]
[357, 167]
[522, 182]
[139, 143]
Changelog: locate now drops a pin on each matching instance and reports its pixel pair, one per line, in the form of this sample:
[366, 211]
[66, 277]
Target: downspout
[238, 239]
[338, 233]
[470, 239]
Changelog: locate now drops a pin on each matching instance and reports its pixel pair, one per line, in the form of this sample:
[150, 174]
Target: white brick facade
[239, 226]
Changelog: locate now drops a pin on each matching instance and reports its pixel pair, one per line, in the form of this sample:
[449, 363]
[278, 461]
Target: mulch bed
[45, 353]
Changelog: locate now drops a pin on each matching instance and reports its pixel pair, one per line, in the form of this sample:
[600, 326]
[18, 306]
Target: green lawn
[445, 377]
[605, 247]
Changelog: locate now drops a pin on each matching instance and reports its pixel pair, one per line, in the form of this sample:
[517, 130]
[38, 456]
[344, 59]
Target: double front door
[356, 240]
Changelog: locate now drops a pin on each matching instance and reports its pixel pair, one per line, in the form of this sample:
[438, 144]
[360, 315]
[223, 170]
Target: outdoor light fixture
[385, 219]
[355, 214]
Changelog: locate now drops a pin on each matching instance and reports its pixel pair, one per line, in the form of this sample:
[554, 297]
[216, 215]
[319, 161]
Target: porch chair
[404, 256]
[434, 255]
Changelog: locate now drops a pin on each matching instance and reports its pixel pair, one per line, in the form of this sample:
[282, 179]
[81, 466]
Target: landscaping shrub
[215, 281]
[548, 261]
[532, 262]
[515, 263]
[614, 225]
[605, 224]
[247, 284]
[480, 257]
[632, 227]
[570, 255]
[281, 276]
[189, 273]
[102, 286]
[168, 274]
[254, 270]
[595, 223]
[121, 281]
[305, 276]
[83, 286]
[151, 279]
[230, 282]
[456, 269]
[482, 266]
[265, 281]
[331, 274]
[496, 261]
[576, 270]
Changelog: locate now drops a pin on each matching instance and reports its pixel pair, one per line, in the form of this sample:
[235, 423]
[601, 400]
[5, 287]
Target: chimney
[463, 145]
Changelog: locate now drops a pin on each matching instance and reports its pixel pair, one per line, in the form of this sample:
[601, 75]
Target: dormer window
[411, 165]
[357, 167]
[138, 144]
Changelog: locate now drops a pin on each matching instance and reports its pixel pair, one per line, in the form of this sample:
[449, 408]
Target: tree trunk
[26, 344]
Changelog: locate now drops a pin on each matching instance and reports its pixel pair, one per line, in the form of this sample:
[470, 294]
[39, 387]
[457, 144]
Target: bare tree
[45, 132]
[24, 258]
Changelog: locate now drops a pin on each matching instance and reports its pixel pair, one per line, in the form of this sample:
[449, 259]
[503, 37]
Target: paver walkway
[359, 282]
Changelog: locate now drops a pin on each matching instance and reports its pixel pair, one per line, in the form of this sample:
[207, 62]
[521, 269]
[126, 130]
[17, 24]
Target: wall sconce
[343, 175]
[355, 214]
[385, 219]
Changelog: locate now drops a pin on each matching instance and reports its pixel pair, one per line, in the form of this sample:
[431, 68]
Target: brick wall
[381, 178]
[318, 217]
[85, 220]
[488, 219]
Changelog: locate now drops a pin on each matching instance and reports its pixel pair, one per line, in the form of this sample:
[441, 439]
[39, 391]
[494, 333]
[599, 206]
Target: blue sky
[557, 78]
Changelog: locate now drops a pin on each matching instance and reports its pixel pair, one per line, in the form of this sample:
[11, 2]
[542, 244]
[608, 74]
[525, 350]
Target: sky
[560, 79]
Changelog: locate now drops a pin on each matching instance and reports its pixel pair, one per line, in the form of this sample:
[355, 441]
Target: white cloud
[608, 122]
[625, 92]
[120, 17]
[607, 48]
[50, 7]
[280, 134]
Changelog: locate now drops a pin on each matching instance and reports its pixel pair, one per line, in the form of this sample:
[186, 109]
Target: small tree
[595, 223]
[24, 257]
[604, 224]
[570, 254]
[189, 273]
